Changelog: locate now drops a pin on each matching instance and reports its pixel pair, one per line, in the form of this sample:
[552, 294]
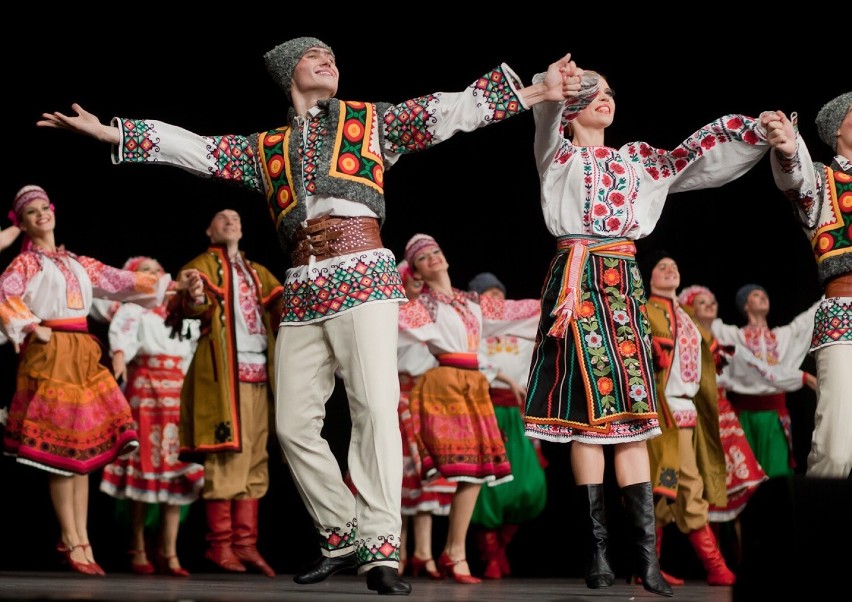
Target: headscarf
[24, 197]
[687, 295]
[416, 244]
[405, 271]
[133, 263]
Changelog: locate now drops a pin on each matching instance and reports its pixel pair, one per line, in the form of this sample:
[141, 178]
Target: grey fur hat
[742, 296]
[830, 117]
[281, 61]
[484, 281]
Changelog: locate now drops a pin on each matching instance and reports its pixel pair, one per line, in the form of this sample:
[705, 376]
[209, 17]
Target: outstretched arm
[562, 80]
[82, 123]
[779, 132]
[8, 236]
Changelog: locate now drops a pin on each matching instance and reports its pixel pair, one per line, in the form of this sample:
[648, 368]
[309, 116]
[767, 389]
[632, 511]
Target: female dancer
[591, 380]
[153, 364]
[68, 415]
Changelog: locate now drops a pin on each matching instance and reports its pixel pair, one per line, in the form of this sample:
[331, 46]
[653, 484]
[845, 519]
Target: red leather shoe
[81, 567]
[166, 568]
[98, 569]
[418, 565]
[145, 568]
[448, 567]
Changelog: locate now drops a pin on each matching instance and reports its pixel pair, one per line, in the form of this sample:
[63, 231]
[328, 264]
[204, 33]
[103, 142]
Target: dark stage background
[477, 193]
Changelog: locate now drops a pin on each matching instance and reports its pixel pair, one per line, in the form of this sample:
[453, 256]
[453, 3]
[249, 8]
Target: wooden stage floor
[27, 586]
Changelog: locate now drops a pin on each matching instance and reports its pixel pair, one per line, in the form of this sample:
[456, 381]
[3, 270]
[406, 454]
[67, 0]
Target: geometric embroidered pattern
[832, 322]
[371, 276]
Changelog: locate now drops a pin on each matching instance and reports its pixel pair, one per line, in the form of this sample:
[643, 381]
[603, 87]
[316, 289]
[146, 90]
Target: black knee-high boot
[590, 500]
[639, 504]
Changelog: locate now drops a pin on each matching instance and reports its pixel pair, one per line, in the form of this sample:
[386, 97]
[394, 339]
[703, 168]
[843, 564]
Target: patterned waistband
[67, 325]
[840, 286]
[756, 403]
[504, 398]
[158, 360]
[331, 236]
[578, 249]
[623, 247]
[465, 361]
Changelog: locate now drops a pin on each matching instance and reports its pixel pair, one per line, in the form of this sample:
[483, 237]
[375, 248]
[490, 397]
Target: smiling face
[705, 307]
[600, 113]
[150, 266]
[429, 261]
[37, 218]
[225, 228]
[665, 278]
[316, 71]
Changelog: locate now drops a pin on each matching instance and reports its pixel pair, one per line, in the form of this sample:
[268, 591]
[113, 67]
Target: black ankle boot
[590, 499]
[639, 505]
[386, 580]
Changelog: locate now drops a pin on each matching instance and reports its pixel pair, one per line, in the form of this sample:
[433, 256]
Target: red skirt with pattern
[153, 473]
[68, 415]
[458, 434]
[435, 495]
[743, 473]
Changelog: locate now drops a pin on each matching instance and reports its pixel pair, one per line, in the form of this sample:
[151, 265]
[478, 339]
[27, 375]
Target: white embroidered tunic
[40, 286]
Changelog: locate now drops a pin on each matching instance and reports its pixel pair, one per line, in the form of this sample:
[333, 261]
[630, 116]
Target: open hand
[82, 122]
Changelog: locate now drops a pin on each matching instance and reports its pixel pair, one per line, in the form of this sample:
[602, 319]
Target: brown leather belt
[325, 237]
[841, 286]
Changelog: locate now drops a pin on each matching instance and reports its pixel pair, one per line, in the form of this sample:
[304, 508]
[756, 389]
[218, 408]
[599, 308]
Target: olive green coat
[210, 396]
[663, 450]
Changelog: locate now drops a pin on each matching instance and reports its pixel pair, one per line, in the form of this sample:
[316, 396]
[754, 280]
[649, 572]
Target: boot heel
[639, 505]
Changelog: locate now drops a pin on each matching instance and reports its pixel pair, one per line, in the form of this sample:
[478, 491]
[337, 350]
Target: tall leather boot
[590, 501]
[672, 580]
[507, 532]
[639, 505]
[489, 550]
[219, 550]
[707, 549]
[244, 541]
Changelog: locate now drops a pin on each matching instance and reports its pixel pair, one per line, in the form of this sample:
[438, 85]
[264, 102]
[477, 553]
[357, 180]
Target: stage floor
[21, 586]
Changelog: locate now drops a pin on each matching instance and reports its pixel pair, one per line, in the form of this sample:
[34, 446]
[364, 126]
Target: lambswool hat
[417, 243]
[647, 262]
[484, 281]
[281, 61]
[742, 296]
[830, 117]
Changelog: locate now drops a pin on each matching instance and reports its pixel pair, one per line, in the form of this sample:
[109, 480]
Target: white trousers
[831, 443]
[362, 343]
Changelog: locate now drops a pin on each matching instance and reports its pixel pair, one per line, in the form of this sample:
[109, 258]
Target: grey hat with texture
[484, 281]
[281, 61]
[742, 296]
[830, 117]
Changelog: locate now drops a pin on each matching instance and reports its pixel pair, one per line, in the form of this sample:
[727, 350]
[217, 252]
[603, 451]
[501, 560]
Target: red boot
[707, 549]
[219, 550]
[244, 542]
[507, 532]
[672, 580]
[489, 550]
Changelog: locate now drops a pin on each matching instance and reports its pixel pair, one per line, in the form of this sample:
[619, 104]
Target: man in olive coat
[226, 396]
